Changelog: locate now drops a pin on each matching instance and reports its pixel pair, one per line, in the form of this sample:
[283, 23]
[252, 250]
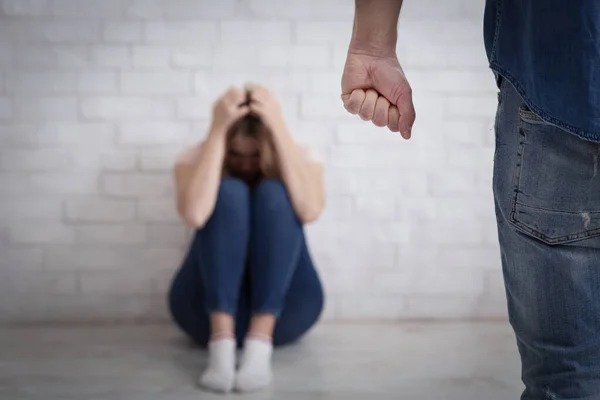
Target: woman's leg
[206, 293]
[303, 305]
[276, 247]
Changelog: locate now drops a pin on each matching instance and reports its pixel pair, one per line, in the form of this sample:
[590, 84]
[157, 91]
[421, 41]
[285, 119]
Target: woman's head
[250, 152]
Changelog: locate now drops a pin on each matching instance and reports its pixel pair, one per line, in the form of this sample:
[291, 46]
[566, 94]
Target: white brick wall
[97, 98]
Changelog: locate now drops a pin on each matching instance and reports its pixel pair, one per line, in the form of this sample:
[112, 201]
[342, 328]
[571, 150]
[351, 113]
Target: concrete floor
[408, 362]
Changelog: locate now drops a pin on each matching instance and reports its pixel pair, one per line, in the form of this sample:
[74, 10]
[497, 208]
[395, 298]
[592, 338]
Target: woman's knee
[272, 193]
[233, 193]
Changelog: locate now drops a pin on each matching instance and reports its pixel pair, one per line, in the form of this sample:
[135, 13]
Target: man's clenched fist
[375, 88]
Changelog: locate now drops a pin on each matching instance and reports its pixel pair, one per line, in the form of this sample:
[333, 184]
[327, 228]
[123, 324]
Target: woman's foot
[255, 368]
[219, 375]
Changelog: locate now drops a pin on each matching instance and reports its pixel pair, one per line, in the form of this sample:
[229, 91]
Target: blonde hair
[252, 126]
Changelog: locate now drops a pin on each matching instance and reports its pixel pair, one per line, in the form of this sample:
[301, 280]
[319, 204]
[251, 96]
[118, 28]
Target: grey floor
[406, 361]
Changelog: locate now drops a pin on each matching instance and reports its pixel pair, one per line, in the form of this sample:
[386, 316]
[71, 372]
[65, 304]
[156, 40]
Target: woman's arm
[198, 181]
[303, 179]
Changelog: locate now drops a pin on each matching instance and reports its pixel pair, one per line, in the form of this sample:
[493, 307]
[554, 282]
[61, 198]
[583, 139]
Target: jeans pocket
[557, 183]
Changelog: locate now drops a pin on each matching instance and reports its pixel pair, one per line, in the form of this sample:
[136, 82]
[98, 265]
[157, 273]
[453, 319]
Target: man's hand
[375, 88]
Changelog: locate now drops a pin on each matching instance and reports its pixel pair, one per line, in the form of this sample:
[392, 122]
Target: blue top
[550, 51]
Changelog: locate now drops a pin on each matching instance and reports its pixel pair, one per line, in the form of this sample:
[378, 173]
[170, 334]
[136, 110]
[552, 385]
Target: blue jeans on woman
[547, 194]
[250, 258]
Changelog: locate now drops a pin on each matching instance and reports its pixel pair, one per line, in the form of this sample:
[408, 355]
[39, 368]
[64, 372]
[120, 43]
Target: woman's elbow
[310, 215]
[193, 218]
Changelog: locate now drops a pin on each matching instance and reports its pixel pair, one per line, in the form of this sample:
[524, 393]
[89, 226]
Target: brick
[20, 259]
[126, 108]
[110, 234]
[441, 281]
[442, 32]
[45, 108]
[26, 208]
[230, 57]
[87, 8]
[272, 9]
[43, 282]
[96, 209]
[459, 82]
[158, 211]
[106, 257]
[337, 281]
[192, 56]
[375, 207]
[432, 55]
[144, 9]
[200, 9]
[33, 135]
[416, 209]
[6, 108]
[471, 106]
[40, 82]
[156, 82]
[160, 160]
[178, 33]
[264, 32]
[340, 181]
[287, 82]
[41, 233]
[6, 54]
[25, 8]
[47, 183]
[323, 32]
[155, 133]
[115, 282]
[338, 207]
[162, 234]
[51, 56]
[468, 232]
[54, 31]
[325, 82]
[374, 307]
[295, 56]
[139, 185]
[111, 56]
[449, 10]
[194, 107]
[468, 257]
[35, 160]
[325, 105]
[122, 32]
[459, 208]
[469, 158]
[360, 156]
[466, 133]
[443, 307]
[97, 82]
[358, 132]
[151, 56]
[451, 183]
[119, 161]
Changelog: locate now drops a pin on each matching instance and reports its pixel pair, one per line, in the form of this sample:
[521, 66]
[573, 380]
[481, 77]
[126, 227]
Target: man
[545, 55]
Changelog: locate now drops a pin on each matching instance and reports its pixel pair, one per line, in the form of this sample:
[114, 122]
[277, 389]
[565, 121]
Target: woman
[248, 279]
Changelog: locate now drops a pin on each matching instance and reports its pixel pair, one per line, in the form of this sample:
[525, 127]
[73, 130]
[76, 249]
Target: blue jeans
[250, 258]
[547, 196]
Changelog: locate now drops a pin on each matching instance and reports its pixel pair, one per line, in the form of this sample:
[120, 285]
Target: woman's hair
[252, 126]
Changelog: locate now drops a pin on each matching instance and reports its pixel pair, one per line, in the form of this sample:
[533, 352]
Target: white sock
[219, 375]
[255, 368]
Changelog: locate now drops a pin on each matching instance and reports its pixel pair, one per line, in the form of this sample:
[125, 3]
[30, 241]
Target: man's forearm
[375, 26]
